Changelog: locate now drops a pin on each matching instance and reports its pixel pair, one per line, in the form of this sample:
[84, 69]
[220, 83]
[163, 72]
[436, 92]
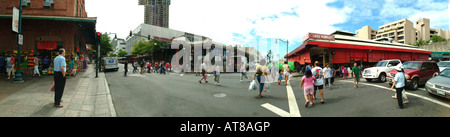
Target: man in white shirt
[318, 74]
[327, 74]
[204, 73]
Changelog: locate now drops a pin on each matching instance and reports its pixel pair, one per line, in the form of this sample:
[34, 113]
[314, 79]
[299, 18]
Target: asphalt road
[175, 95]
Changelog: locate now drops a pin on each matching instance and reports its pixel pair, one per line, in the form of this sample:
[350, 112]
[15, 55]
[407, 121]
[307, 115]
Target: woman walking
[260, 75]
[308, 82]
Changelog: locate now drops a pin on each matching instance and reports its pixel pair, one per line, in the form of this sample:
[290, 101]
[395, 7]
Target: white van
[111, 63]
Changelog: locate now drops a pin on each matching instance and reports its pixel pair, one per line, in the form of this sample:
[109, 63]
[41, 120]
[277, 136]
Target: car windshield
[445, 73]
[381, 64]
[443, 64]
[412, 65]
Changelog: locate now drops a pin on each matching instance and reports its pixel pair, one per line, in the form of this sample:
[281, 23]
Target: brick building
[47, 25]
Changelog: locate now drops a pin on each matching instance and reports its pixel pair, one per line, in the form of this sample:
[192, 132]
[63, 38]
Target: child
[280, 77]
[308, 80]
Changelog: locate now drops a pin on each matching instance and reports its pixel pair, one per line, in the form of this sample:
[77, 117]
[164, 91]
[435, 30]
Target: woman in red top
[156, 66]
[167, 67]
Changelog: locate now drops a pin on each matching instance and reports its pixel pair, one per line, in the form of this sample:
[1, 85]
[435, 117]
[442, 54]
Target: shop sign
[318, 36]
[46, 45]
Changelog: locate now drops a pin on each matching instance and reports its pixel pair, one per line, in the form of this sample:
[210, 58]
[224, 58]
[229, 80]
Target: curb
[112, 110]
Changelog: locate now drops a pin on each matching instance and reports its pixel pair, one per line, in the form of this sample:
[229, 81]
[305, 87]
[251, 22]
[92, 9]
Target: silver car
[443, 65]
[440, 85]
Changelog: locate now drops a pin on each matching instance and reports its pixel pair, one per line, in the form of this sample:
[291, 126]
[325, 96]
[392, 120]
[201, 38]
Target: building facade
[156, 12]
[402, 31]
[47, 25]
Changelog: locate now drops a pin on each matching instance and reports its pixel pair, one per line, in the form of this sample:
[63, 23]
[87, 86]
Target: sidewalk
[84, 96]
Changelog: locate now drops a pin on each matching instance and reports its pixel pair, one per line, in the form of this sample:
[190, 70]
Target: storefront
[44, 35]
[342, 48]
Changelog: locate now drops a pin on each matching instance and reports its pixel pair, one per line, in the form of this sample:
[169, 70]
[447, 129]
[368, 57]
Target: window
[26, 3]
[427, 66]
[49, 3]
[394, 63]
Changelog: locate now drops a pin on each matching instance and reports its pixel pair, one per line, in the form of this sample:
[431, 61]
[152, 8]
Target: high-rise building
[156, 12]
[403, 31]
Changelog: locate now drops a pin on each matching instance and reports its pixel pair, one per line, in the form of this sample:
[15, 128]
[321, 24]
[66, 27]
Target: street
[180, 95]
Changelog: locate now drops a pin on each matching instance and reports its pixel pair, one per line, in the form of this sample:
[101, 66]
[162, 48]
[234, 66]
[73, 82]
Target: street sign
[15, 21]
[20, 41]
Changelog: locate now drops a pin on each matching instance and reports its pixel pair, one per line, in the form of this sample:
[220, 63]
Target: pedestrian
[286, 72]
[355, 73]
[243, 71]
[71, 66]
[167, 68]
[156, 67]
[135, 66]
[10, 62]
[399, 84]
[317, 72]
[204, 72]
[327, 74]
[308, 82]
[142, 65]
[46, 62]
[36, 66]
[125, 67]
[344, 72]
[280, 76]
[260, 75]
[217, 74]
[59, 76]
[2, 63]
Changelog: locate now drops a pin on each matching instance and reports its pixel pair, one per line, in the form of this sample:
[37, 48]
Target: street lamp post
[18, 77]
[287, 47]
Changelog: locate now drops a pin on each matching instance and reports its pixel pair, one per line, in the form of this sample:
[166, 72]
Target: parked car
[416, 73]
[440, 85]
[380, 70]
[111, 63]
[443, 65]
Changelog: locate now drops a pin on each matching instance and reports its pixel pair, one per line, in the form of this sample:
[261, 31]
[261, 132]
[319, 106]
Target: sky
[242, 22]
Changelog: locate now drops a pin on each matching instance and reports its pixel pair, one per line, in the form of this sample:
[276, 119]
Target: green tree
[437, 38]
[105, 45]
[122, 53]
[146, 47]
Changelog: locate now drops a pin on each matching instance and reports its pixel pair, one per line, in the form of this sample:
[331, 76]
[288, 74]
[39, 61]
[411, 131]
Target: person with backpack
[260, 75]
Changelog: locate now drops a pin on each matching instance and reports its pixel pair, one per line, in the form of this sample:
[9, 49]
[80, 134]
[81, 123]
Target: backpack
[259, 71]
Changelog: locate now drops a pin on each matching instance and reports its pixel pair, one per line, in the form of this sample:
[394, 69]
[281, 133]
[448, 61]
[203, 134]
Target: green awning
[437, 56]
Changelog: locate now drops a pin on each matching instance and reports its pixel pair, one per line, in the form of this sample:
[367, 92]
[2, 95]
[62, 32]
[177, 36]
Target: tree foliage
[105, 45]
[146, 47]
[122, 53]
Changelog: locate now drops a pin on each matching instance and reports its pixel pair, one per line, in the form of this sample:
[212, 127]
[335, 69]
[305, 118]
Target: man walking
[356, 73]
[317, 72]
[59, 76]
[10, 66]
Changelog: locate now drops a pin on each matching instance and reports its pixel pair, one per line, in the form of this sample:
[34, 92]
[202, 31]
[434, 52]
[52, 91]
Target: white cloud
[219, 19]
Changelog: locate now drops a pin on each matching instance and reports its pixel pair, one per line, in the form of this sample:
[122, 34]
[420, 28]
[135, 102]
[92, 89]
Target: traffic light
[131, 33]
[148, 38]
[98, 37]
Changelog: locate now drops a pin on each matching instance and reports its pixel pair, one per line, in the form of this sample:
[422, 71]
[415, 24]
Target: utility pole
[18, 77]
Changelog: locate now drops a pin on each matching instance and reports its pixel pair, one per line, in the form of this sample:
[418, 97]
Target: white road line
[293, 107]
[276, 110]
[412, 94]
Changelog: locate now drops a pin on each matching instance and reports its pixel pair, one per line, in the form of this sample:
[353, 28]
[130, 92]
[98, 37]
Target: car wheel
[382, 77]
[414, 84]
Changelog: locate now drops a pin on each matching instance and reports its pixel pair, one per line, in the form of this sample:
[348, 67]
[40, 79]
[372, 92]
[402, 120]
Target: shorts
[356, 79]
[286, 73]
[318, 87]
[308, 90]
